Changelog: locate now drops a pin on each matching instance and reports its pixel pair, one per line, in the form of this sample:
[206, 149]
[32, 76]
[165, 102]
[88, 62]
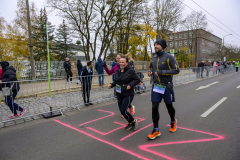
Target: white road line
[203, 87]
[205, 114]
[238, 87]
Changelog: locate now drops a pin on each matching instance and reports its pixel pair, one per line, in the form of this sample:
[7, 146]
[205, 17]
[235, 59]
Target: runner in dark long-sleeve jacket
[164, 66]
[125, 80]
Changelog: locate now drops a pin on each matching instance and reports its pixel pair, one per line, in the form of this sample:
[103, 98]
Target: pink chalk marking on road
[101, 140]
[144, 147]
[135, 132]
[123, 125]
[99, 118]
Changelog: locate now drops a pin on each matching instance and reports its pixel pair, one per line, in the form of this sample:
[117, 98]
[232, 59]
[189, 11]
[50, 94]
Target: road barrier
[34, 97]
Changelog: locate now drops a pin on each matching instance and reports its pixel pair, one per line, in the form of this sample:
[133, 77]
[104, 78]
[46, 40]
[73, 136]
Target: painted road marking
[238, 87]
[203, 87]
[213, 107]
[146, 147]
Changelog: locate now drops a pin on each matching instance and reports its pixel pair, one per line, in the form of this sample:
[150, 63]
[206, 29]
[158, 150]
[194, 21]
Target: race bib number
[159, 88]
[118, 89]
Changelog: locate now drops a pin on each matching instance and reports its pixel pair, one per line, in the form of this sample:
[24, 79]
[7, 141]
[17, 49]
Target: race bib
[159, 88]
[118, 89]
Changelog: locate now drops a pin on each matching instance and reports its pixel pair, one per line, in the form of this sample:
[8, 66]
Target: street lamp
[223, 45]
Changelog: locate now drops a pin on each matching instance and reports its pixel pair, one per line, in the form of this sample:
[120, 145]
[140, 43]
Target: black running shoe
[135, 124]
[129, 126]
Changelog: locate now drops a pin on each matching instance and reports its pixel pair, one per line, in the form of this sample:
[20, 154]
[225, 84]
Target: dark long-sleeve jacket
[86, 75]
[9, 75]
[166, 66]
[67, 65]
[201, 64]
[125, 78]
[79, 66]
[99, 66]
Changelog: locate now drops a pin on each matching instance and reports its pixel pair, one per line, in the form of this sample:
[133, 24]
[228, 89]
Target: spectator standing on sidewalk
[113, 64]
[99, 68]
[215, 68]
[67, 66]
[208, 68]
[86, 80]
[9, 76]
[201, 66]
[237, 65]
[79, 68]
[131, 64]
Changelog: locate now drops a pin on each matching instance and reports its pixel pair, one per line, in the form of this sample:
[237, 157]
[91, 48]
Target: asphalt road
[97, 132]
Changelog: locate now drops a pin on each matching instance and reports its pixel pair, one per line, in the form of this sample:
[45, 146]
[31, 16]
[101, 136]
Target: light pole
[223, 45]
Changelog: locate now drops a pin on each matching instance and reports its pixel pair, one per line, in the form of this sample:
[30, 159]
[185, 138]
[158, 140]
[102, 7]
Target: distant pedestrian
[68, 68]
[99, 68]
[113, 64]
[132, 63]
[79, 68]
[0, 73]
[8, 79]
[86, 80]
[208, 68]
[236, 66]
[215, 68]
[151, 67]
[201, 67]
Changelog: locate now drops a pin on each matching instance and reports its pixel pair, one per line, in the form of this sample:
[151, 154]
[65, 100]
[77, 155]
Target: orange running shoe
[132, 110]
[122, 116]
[173, 126]
[154, 134]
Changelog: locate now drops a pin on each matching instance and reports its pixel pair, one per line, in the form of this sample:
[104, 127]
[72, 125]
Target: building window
[180, 43]
[203, 42]
[171, 44]
[171, 37]
[203, 50]
[190, 42]
[180, 35]
[185, 42]
[176, 36]
[175, 44]
[190, 34]
[185, 34]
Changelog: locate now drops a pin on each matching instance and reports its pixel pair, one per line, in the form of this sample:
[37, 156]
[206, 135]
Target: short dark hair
[125, 58]
[89, 63]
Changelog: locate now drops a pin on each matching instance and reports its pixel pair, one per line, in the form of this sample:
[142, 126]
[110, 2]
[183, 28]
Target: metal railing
[23, 68]
[33, 95]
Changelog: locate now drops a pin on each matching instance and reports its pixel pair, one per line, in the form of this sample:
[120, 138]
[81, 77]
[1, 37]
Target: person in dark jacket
[131, 63]
[201, 66]
[113, 64]
[125, 80]
[99, 68]
[86, 80]
[208, 68]
[67, 66]
[79, 67]
[7, 79]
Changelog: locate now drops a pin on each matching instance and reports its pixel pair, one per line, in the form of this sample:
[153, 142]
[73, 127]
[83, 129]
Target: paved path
[97, 132]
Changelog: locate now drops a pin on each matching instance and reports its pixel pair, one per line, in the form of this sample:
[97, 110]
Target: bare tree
[93, 20]
[167, 15]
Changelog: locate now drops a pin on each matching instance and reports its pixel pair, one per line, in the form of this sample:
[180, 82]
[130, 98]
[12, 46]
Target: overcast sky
[226, 11]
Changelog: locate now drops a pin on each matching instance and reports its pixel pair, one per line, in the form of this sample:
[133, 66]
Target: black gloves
[104, 63]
